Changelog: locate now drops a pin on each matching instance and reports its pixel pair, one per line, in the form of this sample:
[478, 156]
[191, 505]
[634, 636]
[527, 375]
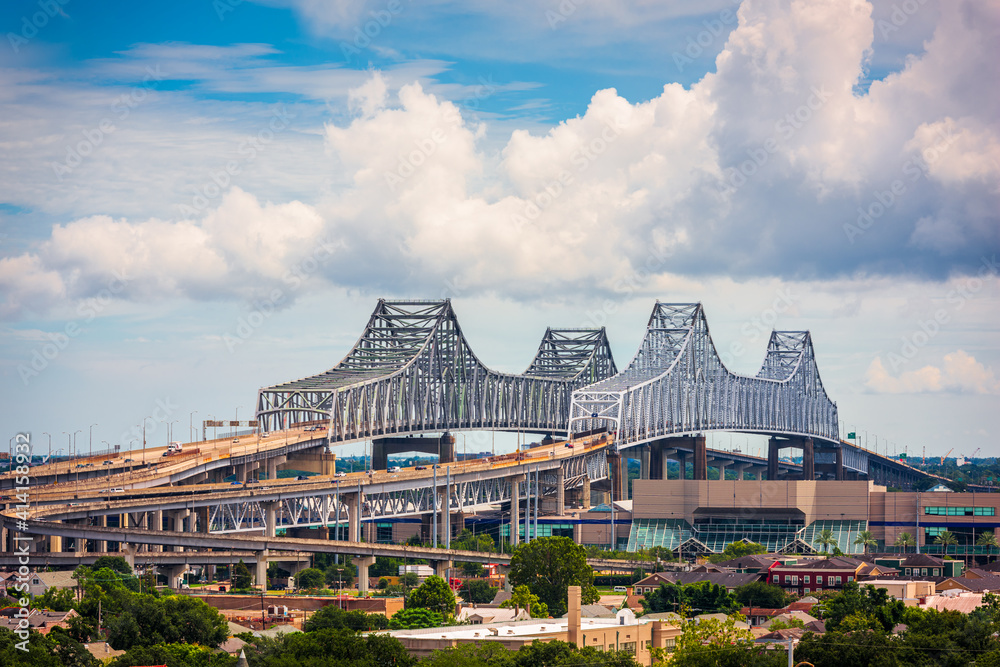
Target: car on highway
[237, 483]
[569, 446]
[341, 474]
[236, 441]
[108, 463]
[129, 460]
[420, 467]
[394, 469]
[80, 465]
[301, 477]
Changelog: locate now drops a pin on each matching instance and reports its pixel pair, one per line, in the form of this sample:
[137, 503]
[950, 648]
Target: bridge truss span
[677, 384]
[412, 371]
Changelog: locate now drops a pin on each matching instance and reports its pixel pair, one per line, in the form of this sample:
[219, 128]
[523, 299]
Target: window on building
[628, 646]
[923, 572]
[383, 532]
[937, 572]
[795, 580]
[806, 580]
[671, 645]
[819, 579]
[908, 571]
[649, 644]
[850, 578]
[960, 511]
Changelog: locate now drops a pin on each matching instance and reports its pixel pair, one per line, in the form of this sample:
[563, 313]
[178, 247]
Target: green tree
[485, 654]
[334, 617]
[987, 539]
[383, 583]
[703, 597]
[712, 642]
[472, 569]
[549, 566]
[330, 647]
[56, 599]
[946, 538]
[825, 538]
[173, 655]
[241, 576]
[434, 594]
[905, 540]
[761, 594]
[867, 603]
[523, 598]
[415, 617]
[116, 563]
[340, 575]
[738, 550]
[856, 649]
[146, 621]
[410, 580]
[52, 650]
[478, 591]
[866, 539]
[310, 577]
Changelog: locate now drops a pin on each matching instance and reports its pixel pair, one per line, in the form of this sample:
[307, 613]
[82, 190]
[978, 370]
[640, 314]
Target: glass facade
[960, 511]
[714, 535]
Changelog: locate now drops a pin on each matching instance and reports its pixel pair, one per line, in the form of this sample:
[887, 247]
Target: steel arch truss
[412, 371]
[677, 384]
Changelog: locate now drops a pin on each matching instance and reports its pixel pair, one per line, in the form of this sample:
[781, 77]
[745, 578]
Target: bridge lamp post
[50, 443]
[170, 429]
[191, 434]
[90, 442]
[109, 470]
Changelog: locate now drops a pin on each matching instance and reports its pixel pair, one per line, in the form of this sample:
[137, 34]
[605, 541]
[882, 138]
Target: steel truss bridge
[412, 371]
[676, 384]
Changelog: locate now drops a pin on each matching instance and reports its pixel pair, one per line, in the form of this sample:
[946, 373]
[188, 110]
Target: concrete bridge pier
[774, 447]
[270, 518]
[261, 573]
[178, 519]
[363, 563]
[175, 575]
[271, 466]
[515, 509]
[644, 462]
[443, 446]
[441, 568]
[102, 545]
[55, 544]
[316, 460]
[353, 502]
[585, 495]
[560, 492]
[721, 465]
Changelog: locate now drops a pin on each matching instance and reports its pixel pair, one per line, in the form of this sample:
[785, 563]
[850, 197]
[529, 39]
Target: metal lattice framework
[330, 507]
[676, 384]
[412, 371]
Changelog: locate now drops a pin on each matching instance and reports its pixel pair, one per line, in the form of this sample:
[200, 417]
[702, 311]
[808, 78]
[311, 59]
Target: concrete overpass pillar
[808, 459]
[740, 469]
[175, 575]
[447, 449]
[353, 502]
[55, 544]
[560, 492]
[102, 545]
[262, 570]
[380, 457]
[272, 468]
[203, 520]
[271, 518]
[722, 470]
[505, 571]
[700, 457]
[363, 563]
[773, 450]
[179, 517]
[128, 553]
[682, 464]
[840, 463]
[441, 568]
[586, 494]
[515, 510]
[644, 462]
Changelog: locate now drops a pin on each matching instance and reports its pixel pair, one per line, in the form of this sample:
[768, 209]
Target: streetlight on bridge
[191, 433]
[90, 441]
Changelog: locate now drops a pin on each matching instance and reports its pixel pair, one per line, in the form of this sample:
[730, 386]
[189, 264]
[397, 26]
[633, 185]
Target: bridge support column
[262, 570]
[682, 464]
[658, 458]
[722, 470]
[179, 517]
[55, 544]
[840, 463]
[271, 518]
[808, 459]
[773, 450]
[739, 469]
[585, 495]
[505, 571]
[515, 510]
[175, 575]
[619, 476]
[441, 568]
[560, 492]
[363, 563]
[102, 545]
[353, 502]
[128, 553]
[203, 520]
[700, 458]
[157, 525]
[644, 461]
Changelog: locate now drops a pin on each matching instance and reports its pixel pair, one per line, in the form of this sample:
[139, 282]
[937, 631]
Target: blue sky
[166, 167]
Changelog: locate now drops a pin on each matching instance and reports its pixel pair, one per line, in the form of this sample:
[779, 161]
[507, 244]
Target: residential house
[824, 574]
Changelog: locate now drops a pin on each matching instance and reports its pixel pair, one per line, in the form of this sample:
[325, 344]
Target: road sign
[852, 435]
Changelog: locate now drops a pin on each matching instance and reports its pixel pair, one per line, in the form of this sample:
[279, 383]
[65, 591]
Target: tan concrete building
[623, 632]
[909, 591]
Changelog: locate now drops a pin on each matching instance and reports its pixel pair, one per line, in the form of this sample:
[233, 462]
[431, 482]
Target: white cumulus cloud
[958, 373]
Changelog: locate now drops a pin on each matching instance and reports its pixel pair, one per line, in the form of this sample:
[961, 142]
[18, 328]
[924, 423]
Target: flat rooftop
[537, 627]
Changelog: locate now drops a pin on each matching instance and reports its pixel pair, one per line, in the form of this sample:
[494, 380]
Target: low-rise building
[623, 632]
[825, 574]
[908, 590]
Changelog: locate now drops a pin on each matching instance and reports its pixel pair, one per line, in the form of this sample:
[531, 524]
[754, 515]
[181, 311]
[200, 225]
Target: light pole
[170, 429]
[109, 470]
[191, 433]
[144, 439]
[50, 444]
[90, 440]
